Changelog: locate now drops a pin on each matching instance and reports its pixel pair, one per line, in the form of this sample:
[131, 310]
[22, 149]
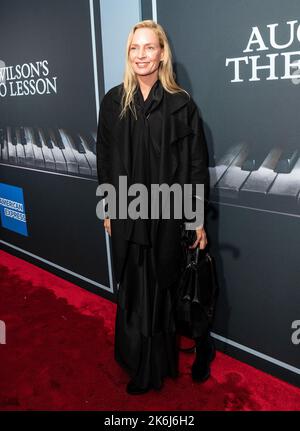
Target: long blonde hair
[165, 70]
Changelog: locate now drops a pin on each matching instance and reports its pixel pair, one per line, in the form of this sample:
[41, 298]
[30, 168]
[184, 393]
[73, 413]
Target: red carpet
[59, 356]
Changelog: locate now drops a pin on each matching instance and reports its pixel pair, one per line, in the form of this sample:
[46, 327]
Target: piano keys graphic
[258, 179]
[49, 149]
[261, 179]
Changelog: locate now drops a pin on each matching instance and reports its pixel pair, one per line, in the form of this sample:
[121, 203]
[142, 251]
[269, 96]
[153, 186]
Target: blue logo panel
[12, 209]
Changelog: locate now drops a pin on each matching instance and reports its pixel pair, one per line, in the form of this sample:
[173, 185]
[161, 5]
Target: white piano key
[223, 164]
[4, 150]
[12, 151]
[231, 181]
[19, 147]
[47, 153]
[259, 182]
[72, 164]
[28, 149]
[91, 158]
[83, 165]
[284, 192]
[59, 160]
[39, 161]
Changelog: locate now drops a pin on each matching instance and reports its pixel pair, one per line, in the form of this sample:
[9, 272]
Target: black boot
[205, 353]
[133, 389]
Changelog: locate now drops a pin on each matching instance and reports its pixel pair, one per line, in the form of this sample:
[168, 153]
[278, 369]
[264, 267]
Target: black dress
[145, 334]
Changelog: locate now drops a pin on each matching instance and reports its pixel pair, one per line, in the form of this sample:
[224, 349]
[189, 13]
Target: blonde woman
[150, 132]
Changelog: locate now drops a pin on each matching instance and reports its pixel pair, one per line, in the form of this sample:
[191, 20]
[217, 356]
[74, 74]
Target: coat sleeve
[103, 147]
[199, 173]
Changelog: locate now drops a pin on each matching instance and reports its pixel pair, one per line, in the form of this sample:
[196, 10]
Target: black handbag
[196, 294]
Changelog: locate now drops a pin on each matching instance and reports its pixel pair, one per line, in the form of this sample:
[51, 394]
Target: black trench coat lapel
[173, 129]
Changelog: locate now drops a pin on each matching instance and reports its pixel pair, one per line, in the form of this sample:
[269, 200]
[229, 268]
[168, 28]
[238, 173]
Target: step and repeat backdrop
[241, 63]
[50, 87]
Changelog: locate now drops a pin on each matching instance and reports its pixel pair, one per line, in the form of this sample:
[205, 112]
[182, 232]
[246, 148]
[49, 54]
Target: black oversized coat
[183, 160]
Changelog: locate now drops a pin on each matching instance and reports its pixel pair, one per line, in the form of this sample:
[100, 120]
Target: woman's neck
[146, 84]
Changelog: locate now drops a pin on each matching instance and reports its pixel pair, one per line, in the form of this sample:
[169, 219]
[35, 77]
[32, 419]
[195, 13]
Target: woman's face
[145, 52]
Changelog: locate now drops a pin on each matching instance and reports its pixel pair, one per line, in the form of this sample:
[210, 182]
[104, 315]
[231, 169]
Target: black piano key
[46, 151]
[254, 160]
[90, 141]
[90, 156]
[50, 149]
[80, 156]
[58, 156]
[48, 140]
[13, 136]
[287, 161]
[77, 142]
[37, 138]
[22, 136]
[71, 161]
[58, 139]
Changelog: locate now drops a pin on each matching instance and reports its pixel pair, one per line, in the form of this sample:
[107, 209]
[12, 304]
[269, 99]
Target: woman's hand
[201, 239]
[107, 226]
